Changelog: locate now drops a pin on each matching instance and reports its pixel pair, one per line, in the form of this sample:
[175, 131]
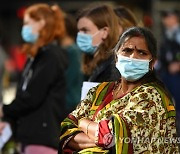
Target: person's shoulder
[154, 89]
[73, 51]
[147, 91]
[55, 53]
[105, 86]
[150, 85]
[74, 47]
[160, 93]
[54, 50]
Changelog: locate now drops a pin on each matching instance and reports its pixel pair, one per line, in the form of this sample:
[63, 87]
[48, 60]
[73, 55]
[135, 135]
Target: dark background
[11, 14]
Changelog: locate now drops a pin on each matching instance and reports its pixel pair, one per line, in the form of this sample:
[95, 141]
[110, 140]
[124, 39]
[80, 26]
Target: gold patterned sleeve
[150, 118]
[69, 127]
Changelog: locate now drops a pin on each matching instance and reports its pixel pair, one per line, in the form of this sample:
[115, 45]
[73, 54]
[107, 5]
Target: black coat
[106, 71]
[38, 108]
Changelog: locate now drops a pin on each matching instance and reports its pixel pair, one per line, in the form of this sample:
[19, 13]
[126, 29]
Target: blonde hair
[126, 17]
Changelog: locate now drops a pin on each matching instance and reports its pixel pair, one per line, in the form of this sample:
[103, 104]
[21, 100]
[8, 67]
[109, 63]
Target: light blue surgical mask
[27, 34]
[84, 41]
[132, 69]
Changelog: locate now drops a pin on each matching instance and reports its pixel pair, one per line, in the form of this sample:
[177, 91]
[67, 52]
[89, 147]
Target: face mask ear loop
[150, 60]
[95, 33]
[151, 69]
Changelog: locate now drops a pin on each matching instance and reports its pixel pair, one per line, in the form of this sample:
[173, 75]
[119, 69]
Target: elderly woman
[133, 115]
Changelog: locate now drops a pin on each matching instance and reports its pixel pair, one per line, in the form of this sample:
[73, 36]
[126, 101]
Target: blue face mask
[84, 41]
[132, 69]
[27, 34]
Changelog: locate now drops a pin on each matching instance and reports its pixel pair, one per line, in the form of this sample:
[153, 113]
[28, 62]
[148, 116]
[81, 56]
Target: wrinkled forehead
[133, 41]
[137, 43]
[129, 37]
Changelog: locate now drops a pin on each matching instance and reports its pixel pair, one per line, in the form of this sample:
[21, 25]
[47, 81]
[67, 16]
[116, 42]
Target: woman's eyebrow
[127, 48]
[142, 50]
[83, 29]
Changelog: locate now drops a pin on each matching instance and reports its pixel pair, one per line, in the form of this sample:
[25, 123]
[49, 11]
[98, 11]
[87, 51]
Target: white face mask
[132, 69]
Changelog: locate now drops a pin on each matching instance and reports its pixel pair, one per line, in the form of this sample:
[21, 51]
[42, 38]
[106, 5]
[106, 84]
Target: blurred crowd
[59, 52]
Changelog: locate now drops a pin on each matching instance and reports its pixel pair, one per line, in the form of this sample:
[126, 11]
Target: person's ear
[42, 23]
[105, 33]
[152, 64]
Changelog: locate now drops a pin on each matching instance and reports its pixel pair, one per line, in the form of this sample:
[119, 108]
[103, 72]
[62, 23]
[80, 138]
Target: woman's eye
[126, 50]
[142, 53]
[83, 30]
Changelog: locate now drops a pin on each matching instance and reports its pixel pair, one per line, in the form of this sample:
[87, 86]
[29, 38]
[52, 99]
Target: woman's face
[36, 25]
[135, 47]
[86, 26]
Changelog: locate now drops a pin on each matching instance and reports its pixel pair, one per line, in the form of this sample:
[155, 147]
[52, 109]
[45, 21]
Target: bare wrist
[82, 123]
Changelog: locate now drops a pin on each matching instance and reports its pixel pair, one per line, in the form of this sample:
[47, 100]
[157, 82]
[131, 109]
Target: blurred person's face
[36, 25]
[86, 26]
[170, 21]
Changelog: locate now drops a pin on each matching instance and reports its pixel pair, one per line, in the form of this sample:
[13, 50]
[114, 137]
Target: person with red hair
[38, 107]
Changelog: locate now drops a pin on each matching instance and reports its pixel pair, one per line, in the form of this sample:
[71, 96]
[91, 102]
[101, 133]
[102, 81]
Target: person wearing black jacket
[96, 38]
[38, 107]
[168, 66]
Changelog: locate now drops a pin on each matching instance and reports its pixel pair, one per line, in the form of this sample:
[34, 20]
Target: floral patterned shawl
[141, 121]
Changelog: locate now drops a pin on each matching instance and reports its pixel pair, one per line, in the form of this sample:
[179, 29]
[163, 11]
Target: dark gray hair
[145, 33]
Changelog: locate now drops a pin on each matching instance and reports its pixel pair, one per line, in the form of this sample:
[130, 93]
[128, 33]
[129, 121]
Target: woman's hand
[86, 139]
[81, 141]
[88, 127]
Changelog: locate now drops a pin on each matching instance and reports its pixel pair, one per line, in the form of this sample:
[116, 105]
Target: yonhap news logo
[109, 140]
